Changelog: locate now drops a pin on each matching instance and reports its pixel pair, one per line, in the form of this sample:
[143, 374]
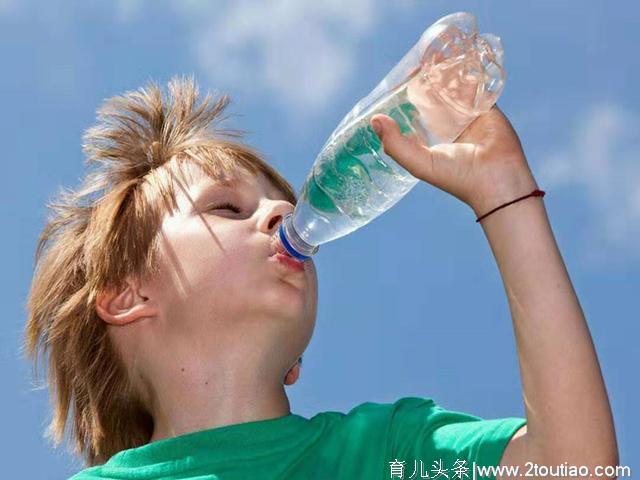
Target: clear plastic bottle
[448, 78]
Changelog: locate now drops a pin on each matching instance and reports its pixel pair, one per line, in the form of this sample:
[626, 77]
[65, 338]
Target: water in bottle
[452, 75]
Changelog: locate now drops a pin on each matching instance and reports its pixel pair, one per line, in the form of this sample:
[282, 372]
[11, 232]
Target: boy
[172, 327]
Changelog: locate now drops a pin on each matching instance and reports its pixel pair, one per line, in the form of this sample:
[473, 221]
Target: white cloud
[603, 157]
[296, 52]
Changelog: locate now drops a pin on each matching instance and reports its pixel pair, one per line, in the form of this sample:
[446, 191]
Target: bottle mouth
[291, 242]
[276, 245]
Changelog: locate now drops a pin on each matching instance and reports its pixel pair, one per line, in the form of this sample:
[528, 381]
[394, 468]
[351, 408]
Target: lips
[277, 247]
[288, 261]
[279, 254]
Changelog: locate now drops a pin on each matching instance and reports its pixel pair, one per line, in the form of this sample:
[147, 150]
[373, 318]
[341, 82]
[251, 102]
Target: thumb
[436, 165]
[408, 151]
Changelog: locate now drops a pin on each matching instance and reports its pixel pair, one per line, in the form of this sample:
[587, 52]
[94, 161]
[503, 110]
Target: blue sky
[411, 304]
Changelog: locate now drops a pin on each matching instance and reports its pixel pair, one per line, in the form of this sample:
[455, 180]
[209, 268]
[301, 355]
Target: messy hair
[105, 231]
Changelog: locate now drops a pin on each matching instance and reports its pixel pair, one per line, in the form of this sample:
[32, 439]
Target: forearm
[567, 409]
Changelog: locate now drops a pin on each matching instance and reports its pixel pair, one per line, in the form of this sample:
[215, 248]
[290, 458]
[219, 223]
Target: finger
[444, 165]
[406, 150]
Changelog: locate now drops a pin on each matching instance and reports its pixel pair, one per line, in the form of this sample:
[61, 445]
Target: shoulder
[368, 418]
[379, 418]
[421, 429]
[381, 410]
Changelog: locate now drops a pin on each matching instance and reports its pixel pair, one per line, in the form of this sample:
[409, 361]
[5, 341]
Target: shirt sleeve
[421, 431]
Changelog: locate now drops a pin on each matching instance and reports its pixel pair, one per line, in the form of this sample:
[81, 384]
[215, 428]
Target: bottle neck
[292, 242]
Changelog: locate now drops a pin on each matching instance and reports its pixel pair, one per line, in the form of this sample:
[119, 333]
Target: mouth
[279, 254]
[277, 247]
[288, 261]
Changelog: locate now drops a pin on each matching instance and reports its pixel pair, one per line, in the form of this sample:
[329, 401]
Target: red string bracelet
[535, 193]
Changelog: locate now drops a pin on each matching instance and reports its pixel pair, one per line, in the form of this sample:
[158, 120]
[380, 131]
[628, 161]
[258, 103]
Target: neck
[205, 405]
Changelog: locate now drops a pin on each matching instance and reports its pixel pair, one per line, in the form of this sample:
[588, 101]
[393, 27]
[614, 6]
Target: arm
[568, 414]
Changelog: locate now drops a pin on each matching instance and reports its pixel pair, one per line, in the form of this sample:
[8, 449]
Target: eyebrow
[208, 189]
[223, 183]
[229, 183]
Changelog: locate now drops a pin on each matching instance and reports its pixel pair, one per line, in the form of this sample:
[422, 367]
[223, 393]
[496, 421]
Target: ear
[124, 306]
[293, 373]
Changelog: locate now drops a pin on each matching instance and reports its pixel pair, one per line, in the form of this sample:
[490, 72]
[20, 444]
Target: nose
[272, 215]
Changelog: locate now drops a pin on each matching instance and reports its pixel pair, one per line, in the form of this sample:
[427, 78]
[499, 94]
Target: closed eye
[227, 206]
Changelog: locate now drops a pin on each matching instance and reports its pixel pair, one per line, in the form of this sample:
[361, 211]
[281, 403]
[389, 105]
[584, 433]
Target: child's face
[218, 290]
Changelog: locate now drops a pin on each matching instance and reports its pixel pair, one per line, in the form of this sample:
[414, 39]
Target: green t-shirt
[373, 441]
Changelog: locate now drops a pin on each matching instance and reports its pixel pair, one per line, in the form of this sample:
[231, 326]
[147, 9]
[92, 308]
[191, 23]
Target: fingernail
[377, 127]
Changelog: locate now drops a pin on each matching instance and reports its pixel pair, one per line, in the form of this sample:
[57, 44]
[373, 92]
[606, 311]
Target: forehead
[238, 179]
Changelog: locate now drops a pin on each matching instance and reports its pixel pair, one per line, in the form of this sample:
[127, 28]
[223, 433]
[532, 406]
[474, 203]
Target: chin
[288, 301]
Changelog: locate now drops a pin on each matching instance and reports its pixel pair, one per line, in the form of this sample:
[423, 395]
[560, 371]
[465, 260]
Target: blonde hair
[105, 231]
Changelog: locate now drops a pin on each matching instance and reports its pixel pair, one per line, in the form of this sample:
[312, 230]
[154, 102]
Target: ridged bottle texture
[451, 76]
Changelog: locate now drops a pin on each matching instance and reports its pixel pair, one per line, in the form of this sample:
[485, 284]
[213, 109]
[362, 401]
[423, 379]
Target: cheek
[310, 300]
[313, 292]
[204, 263]
[216, 270]
[312, 279]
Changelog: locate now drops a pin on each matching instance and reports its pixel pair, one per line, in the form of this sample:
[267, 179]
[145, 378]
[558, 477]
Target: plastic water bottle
[448, 78]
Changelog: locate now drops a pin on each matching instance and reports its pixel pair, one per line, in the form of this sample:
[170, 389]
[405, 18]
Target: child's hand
[484, 168]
